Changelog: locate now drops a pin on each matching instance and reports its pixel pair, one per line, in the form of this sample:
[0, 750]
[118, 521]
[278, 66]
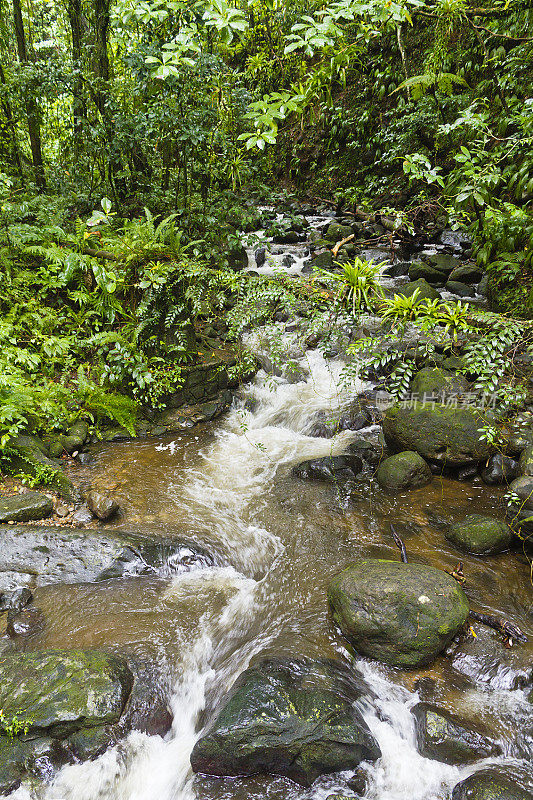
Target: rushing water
[228, 487]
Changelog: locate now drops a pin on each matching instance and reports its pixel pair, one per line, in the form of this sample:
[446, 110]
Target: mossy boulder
[526, 461]
[434, 382]
[523, 488]
[443, 262]
[490, 784]
[57, 692]
[24, 507]
[336, 232]
[440, 433]
[480, 535]
[237, 257]
[55, 695]
[294, 718]
[459, 288]
[401, 614]
[444, 737]
[425, 291]
[30, 460]
[434, 276]
[467, 273]
[403, 471]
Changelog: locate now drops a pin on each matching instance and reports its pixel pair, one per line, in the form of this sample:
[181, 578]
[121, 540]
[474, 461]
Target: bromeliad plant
[359, 286]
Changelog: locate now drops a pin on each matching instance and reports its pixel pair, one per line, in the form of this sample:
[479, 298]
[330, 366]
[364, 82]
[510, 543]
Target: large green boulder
[439, 433]
[434, 382]
[425, 291]
[467, 273]
[480, 535]
[57, 692]
[401, 614]
[24, 507]
[443, 262]
[288, 717]
[419, 269]
[403, 471]
[336, 232]
[490, 784]
[444, 737]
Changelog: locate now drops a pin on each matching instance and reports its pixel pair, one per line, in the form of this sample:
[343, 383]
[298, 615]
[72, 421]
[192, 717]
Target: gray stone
[25, 507]
[500, 469]
[458, 288]
[425, 291]
[526, 461]
[490, 784]
[467, 273]
[444, 737]
[103, 506]
[434, 276]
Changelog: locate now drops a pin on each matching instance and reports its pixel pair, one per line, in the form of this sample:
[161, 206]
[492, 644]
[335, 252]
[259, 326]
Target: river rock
[526, 461]
[483, 659]
[403, 471]
[237, 258]
[480, 535]
[25, 507]
[332, 469]
[336, 232]
[523, 489]
[467, 273]
[369, 451]
[353, 418]
[294, 718]
[57, 692]
[434, 382]
[425, 291]
[25, 622]
[164, 558]
[402, 614]
[439, 433]
[490, 784]
[434, 276]
[443, 262]
[500, 469]
[458, 288]
[102, 505]
[444, 737]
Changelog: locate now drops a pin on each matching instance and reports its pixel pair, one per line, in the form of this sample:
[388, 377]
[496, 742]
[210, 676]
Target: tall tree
[75, 16]
[32, 107]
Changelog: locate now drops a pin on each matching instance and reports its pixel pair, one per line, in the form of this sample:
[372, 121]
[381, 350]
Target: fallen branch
[400, 545]
[338, 246]
[89, 251]
[509, 630]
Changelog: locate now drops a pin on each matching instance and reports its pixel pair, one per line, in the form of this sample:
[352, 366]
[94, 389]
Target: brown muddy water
[277, 541]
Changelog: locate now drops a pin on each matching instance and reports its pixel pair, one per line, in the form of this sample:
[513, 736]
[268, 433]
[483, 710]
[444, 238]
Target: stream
[276, 542]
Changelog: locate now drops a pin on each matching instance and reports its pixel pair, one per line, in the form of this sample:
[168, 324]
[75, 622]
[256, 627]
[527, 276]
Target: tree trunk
[78, 106]
[8, 112]
[32, 109]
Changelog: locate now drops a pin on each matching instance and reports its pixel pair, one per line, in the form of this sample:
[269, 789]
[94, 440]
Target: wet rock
[467, 473]
[354, 418]
[402, 614]
[287, 237]
[336, 232]
[88, 744]
[102, 505]
[526, 461]
[25, 622]
[443, 262]
[397, 269]
[484, 660]
[523, 489]
[458, 288]
[439, 433]
[332, 469]
[425, 291]
[46, 555]
[490, 784]
[322, 260]
[467, 273]
[57, 692]
[435, 382]
[368, 451]
[483, 286]
[500, 469]
[82, 517]
[15, 600]
[25, 507]
[30, 459]
[162, 558]
[434, 276]
[147, 709]
[294, 718]
[260, 256]
[480, 535]
[455, 239]
[403, 471]
[444, 737]
[20, 758]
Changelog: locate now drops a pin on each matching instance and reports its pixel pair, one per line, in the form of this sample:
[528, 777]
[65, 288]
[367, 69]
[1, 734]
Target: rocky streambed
[244, 626]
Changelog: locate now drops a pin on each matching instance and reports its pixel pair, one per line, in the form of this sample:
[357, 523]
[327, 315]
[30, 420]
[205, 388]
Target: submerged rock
[163, 558]
[403, 471]
[402, 614]
[25, 507]
[102, 505]
[484, 660]
[294, 718]
[332, 469]
[439, 433]
[490, 784]
[444, 737]
[480, 535]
